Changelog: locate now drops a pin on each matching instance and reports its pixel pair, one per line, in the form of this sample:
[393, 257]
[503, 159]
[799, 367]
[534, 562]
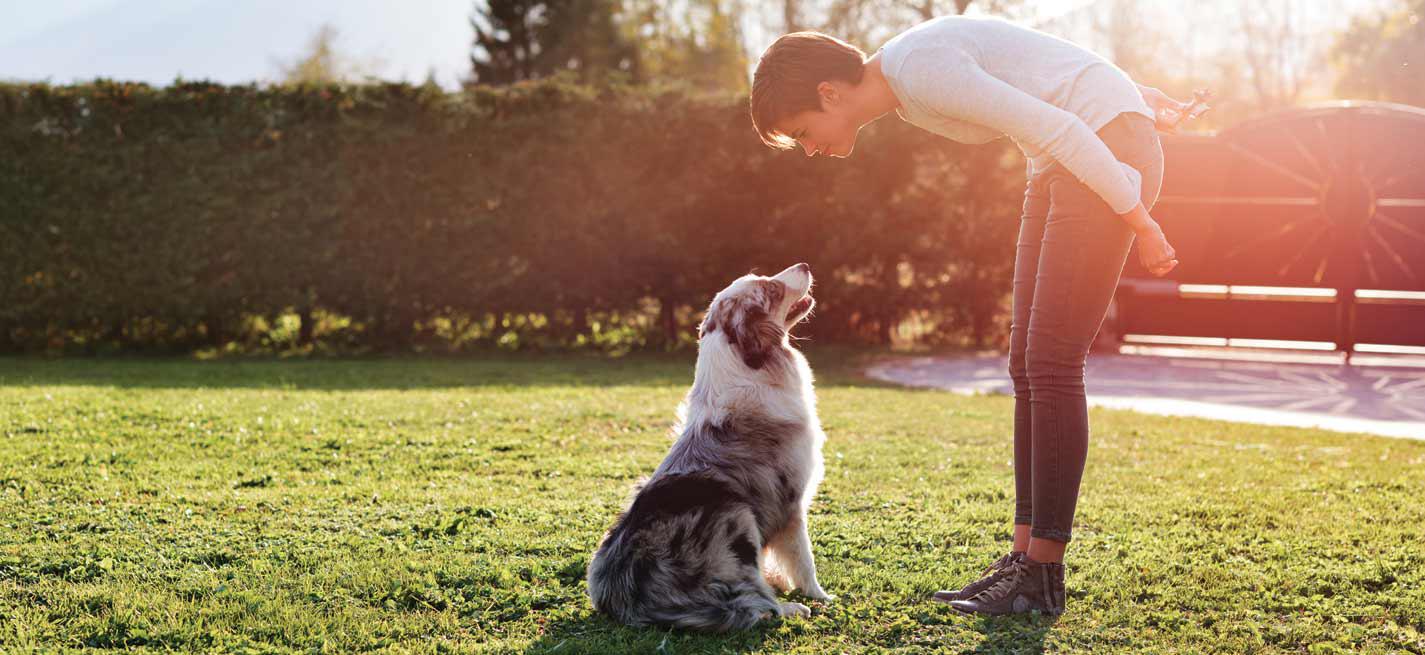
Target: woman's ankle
[1021, 538]
[1046, 551]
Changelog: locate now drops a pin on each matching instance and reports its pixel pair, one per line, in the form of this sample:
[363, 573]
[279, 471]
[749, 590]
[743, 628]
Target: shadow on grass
[1013, 634]
[352, 374]
[834, 367]
[595, 633]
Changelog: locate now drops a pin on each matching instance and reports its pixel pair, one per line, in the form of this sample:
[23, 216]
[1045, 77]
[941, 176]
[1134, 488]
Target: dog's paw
[819, 594]
[794, 609]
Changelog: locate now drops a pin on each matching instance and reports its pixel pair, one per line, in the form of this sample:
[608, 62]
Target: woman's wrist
[1138, 219]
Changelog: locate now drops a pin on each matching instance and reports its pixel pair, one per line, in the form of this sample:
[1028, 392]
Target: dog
[722, 521]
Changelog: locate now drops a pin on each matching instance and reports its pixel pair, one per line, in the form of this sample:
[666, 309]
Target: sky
[229, 41]
[238, 41]
[158, 41]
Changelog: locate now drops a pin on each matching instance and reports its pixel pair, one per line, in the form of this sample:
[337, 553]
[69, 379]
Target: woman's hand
[1154, 252]
[1169, 113]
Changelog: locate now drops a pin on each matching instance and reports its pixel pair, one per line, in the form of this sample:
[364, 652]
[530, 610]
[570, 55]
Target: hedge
[391, 216]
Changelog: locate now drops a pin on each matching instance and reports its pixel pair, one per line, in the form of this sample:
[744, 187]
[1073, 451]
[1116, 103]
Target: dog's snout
[797, 278]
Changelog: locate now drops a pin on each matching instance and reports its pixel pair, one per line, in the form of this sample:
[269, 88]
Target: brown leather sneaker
[987, 578]
[1023, 587]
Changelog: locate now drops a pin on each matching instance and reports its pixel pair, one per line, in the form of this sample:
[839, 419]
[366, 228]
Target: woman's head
[796, 90]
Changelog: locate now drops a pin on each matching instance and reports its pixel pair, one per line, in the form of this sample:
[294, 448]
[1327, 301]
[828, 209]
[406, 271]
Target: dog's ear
[711, 320]
[751, 335]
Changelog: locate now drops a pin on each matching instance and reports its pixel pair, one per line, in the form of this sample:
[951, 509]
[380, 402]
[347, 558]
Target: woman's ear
[828, 93]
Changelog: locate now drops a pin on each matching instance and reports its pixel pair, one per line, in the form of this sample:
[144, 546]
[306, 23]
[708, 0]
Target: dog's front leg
[774, 571]
[792, 548]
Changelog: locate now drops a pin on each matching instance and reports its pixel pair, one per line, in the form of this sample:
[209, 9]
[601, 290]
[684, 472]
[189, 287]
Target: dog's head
[755, 312]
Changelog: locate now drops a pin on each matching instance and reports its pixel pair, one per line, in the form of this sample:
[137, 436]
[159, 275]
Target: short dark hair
[787, 76]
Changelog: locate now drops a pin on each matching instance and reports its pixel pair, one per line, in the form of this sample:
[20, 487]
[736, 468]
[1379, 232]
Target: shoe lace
[998, 564]
[1009, 580]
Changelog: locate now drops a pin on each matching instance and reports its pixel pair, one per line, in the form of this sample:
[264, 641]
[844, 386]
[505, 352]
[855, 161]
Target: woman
[1096, 167]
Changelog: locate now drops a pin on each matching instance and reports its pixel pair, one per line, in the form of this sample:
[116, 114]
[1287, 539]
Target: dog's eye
[772, 293]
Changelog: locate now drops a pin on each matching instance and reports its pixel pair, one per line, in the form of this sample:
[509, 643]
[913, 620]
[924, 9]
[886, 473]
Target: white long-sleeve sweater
[976, 79]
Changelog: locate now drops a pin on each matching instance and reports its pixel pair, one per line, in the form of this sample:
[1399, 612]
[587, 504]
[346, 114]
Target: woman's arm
[951, 83]
[947, 81]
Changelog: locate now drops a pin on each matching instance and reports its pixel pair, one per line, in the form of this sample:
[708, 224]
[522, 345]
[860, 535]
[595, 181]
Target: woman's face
[829, 131]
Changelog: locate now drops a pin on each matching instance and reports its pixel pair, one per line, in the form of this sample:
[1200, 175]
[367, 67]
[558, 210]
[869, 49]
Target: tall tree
[321, 63]
[585, 36]
[870, 22]
[792, 15]
[1277, 51]
[697, 41]
[1383, 56]
[1131, 36]
[505, 41]
[525, 39]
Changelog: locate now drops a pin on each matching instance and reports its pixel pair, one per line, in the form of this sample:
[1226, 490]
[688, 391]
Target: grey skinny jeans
[1071, 251]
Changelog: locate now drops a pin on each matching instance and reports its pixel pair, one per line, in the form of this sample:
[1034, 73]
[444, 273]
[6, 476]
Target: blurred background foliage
[1257, 56]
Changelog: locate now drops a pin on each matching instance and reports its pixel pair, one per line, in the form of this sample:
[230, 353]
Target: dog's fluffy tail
[721, 608]
[638, 592]
[685, 554]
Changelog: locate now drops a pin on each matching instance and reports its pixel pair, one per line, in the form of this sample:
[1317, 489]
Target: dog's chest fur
[765, 439]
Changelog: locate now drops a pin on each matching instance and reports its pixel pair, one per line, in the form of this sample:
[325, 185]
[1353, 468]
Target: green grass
[422, 505]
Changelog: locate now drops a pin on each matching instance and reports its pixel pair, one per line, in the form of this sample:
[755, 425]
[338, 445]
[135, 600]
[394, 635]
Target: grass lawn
[427, 505]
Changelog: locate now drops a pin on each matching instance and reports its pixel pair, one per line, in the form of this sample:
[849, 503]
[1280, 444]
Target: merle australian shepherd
[722, 522]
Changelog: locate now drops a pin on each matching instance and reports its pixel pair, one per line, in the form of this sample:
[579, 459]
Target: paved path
[1385, 400]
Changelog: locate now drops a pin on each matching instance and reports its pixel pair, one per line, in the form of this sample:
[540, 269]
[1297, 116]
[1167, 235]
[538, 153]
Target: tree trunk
[308, 325]
[791, 15]
[391, 333]
[581, 321]
[669, 323]
[212, 328]
[7, 343]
